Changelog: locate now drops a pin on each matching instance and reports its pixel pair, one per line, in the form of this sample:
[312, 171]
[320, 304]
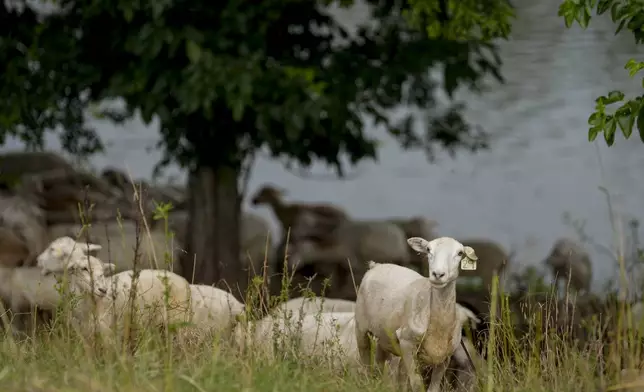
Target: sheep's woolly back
[214, 309]
[150, 296]
[302, 305]
[328, 336]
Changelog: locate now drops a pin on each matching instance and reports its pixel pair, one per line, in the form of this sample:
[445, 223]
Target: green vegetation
[613, 111]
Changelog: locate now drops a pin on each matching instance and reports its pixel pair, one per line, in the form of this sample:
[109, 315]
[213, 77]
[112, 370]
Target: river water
[539, 168]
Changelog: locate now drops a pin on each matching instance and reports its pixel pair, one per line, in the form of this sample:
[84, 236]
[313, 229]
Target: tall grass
[533, 357]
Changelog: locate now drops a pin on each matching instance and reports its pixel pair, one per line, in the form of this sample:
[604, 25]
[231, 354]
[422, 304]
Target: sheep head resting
[86, 273]
[445, 256]
[65, 253]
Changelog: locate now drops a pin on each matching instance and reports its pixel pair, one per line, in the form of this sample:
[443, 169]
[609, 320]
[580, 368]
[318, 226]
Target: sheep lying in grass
[214, 309]
[302, 305]
[158, 296]
[411, 316]
[328, 336]
[25, 289]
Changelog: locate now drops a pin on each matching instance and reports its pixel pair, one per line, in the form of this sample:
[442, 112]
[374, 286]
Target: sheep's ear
[468, 263]
[419, 244]
[109, 267]
[89, 248]
[469, 252]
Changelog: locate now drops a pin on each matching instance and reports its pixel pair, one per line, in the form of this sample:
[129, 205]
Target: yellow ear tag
[467, 264]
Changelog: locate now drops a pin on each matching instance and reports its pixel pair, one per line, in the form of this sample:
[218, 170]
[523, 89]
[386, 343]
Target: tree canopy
[226, 79]
[613, 110]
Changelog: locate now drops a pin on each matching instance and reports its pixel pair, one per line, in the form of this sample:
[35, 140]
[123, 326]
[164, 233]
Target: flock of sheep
[414, 322]
[392, 282]
[322, 240]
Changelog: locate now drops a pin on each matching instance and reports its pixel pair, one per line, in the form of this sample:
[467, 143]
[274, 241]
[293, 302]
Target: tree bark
[212, 233]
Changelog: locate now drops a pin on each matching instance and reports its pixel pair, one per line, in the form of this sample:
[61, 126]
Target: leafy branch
[630, 112]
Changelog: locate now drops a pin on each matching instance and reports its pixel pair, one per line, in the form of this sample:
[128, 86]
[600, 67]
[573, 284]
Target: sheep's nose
[102, 290]
[438, 275]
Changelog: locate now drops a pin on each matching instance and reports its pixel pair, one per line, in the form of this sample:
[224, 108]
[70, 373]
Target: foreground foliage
[628, 113]
[57, 360]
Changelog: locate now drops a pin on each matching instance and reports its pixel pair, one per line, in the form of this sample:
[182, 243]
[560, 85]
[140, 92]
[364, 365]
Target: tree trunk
[213, 230]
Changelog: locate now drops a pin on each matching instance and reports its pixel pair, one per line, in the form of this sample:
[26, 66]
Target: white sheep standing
[411, 316]
[159, 296]
[303, 305]
[214, 309]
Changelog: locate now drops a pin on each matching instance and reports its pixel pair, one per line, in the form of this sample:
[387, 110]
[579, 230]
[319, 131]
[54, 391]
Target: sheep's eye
[460, 253]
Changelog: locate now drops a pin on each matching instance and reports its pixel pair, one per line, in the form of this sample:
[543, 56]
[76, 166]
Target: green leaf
[620, 26]
[634, 67]
[592, 133]
[603, 6]
[193, 51]
[625, 121]
[609, 131]
[128, 14]
[614, 96]
[238, 109]
[614, 12]
[640, 122]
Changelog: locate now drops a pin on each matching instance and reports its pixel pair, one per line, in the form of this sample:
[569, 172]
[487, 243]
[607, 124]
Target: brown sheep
[327, 217]
[43, 170]
[416, 227]
[13, 249]
[354, 241]
[26, 221]
[569, 261]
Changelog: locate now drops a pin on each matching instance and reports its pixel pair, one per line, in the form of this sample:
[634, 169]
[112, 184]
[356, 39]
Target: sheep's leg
[408, 351]
[18, 321]
[364, 349]
[437, 376]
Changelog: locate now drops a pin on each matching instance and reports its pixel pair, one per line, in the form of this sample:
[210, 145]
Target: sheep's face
[444, 256]
[86, 276]
[63, 252]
